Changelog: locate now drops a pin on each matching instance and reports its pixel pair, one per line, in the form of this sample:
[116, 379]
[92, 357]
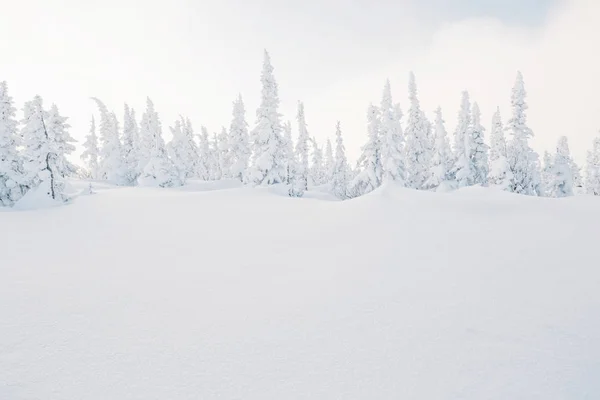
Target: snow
[245, 293]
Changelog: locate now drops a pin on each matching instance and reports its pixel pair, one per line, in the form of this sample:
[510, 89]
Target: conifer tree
[523, 161]
[561, 184]
[91, 151]
[371, 171]
[329, 162]
[417, 148]
[216, 160]
[391, 139]
[206, 163]
[592, 176]
[268, 164]
[129, 149]
[479, 150]
[181, 151]
[317, 176]
[11, 168]
[500, 175]
[224, 153]
[239, 139]
[341, 171]
[547, 175]
[61, 140]
[110, 160]
[288, 155]
[300, 170]
[463, 172]
[441, 162]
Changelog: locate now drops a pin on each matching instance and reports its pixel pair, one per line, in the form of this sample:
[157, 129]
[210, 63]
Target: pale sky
[193, 57]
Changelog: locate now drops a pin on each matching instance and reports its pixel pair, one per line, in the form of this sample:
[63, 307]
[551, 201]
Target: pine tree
[464, 171]
[206, 163]
[479, 150]
[417, 146]
[129, 149]
[224, 153]
[317, 175]
[159, 170]
[288, 146]
[563, 146]
[150, 135]
[110, 160]
[238, 136]
[592, 182]
[91, 151]
[441, 162]
[182, 148]
[215, 156]
[371, 171]
[62, 142]
[500, 175]
[329, 162]
[341, 173]
[300, 170]
[11, 168]
[267, 162]
[561, 184]
[523, 161]
[191, 148]
[547, 175]
[41, 152]
[391, 139]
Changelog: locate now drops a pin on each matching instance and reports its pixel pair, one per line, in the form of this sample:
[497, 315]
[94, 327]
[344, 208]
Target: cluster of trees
[411, 151]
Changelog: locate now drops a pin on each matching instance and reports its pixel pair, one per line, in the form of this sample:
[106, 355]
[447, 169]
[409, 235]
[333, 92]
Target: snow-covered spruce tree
[441, 161]
[62, 142]
[317, 173]
[288, 153]
[329, 162]
[268, 164]
[91, 151]
[417, 147]
[216, 173]
[40, 153]
[464, 171]
[391, 139]
[341, 171]
[592, 170]
[129, 149]
[224, 153]
[479, 150]
[11, 168]
[182, 148]
[499, 175]
[159, 171]
[563, 148]
[547, 175]
[239, 141]
[206, 164]
[561, 184]
[110, 161]
[300, 167]
[371, 170]
[150, 136]
[523, 161]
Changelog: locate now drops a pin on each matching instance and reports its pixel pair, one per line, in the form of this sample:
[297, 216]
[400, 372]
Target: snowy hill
[245, 293]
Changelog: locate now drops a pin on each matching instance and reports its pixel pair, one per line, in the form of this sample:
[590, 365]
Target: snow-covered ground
[240, 293]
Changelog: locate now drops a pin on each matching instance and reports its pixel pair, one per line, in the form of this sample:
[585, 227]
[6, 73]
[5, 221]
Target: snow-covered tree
[224, 153]
[110, 160]
[391, 139]
[417, 147]
[41, 160]
[129, 148]
[329, 162]
[11, 168]
[592, 175]
[91, 151]
[563, 148]
[206, 163]
[464, 170]
[441, 162]
[183, 149]
[523, 161]
[317, 173]
[62, 142]
[341, 171]
[159, 171]
[561, 184]
[500, 175]
[268, 164]
[288, 154]
[547, 175]
[239, 141]
[371, 171]
[215, 152]
[479, 150]
[300, 166]
[150, 135]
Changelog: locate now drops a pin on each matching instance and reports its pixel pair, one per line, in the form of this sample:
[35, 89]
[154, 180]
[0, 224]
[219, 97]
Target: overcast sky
[193, 57]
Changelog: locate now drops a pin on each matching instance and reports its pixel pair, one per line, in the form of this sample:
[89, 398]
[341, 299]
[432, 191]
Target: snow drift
[247, 294]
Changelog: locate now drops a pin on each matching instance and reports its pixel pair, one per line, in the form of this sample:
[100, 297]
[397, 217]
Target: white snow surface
[241, 293]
